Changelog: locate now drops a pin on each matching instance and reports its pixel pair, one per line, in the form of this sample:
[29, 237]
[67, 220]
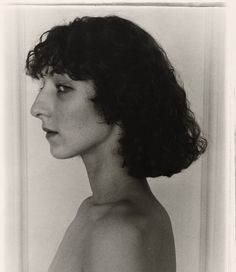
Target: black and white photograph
[118, 143]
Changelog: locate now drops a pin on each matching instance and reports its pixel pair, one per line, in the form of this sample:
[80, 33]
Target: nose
[41, 107]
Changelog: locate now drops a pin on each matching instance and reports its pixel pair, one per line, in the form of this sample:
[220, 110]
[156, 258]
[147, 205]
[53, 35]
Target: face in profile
[71, 123]
[136, 91]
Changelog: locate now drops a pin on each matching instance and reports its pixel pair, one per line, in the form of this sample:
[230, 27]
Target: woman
[109, 94]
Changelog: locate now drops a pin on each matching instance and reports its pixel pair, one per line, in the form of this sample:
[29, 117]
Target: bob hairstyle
[136, 88]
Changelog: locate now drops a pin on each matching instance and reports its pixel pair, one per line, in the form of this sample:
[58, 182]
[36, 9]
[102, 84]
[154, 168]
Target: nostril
[41, 106]
[34, 111]
[39, 111]
[37, 115]
[35, 108]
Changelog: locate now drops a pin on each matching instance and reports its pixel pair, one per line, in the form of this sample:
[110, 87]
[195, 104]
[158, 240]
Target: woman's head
[68, 116]
[134, 87]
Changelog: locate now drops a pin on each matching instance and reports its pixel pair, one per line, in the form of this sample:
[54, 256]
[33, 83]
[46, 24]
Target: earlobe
[117, 132]
[116, 128]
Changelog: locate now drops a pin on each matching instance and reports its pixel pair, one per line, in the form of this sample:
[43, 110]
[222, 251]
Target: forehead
[49, 71]
[87, 85]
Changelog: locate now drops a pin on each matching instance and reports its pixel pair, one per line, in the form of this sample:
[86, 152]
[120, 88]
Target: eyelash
[66, 88]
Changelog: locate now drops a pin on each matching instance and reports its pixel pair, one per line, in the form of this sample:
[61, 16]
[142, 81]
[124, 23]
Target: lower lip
[50, 134]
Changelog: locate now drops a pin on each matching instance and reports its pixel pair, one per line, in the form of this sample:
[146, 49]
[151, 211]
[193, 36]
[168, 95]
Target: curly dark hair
[136, 88]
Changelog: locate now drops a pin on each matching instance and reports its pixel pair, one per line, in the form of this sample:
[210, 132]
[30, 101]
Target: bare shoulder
[115, 245]
[129, 239]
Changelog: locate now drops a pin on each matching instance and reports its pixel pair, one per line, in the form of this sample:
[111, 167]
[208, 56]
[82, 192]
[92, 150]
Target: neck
[108, 180]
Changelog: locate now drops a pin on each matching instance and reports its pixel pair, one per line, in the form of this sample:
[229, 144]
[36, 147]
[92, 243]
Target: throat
[119, 190]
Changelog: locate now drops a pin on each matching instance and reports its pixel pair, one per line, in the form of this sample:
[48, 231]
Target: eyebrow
[50, 71]
[61, 77]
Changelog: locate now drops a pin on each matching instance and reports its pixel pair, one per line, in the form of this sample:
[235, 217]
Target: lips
[49, 132]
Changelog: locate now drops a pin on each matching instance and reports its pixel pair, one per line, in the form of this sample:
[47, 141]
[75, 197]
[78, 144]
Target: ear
[117, 128]
[116, 132]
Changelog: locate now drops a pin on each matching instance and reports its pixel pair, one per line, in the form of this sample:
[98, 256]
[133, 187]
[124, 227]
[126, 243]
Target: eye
[61, 89]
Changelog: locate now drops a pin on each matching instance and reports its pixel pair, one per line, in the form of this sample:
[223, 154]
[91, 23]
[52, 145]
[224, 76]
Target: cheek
[83, 122]
[80, 129]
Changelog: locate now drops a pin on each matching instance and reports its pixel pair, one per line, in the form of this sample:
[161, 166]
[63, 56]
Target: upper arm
[117, 248]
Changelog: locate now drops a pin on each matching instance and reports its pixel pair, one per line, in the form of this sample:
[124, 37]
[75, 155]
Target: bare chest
[70, 255]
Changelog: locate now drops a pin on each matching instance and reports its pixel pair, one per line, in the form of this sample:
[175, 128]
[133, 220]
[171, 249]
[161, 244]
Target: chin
[62, 155]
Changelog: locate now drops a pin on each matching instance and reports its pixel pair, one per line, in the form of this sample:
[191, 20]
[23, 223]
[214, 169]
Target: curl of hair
[136, 87]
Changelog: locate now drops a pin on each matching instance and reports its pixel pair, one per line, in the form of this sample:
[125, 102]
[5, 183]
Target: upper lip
[48, 129]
